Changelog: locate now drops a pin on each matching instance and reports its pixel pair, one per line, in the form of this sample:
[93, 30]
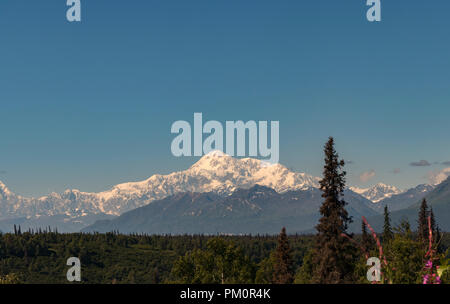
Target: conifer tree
[335, 258]
[284, 265]
[423, 223]
[388, 235]
[367, 241]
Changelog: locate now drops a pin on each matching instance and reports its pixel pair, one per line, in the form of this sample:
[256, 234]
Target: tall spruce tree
[422, 222]
[284, 266]
[388, 235]
[334, 261]
[367, 241]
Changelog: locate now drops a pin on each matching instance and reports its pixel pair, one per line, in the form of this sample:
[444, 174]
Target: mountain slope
[256, 210]
[405, 199]
[438, 198]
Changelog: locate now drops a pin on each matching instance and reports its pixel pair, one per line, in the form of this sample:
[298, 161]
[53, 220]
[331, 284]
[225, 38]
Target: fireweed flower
[430, 276]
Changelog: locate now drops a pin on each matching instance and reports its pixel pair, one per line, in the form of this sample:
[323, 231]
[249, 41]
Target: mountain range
[215, 172]
[256, 210]
[222, 179]
[438, 198]
[378, 192]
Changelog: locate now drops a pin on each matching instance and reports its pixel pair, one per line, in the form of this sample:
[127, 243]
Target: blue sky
[90, 105]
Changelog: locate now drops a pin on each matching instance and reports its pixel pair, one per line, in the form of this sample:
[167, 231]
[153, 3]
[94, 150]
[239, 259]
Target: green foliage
[221, 263]
[305, 272]
[114, 258]
[444, 271]
[405, 257]
[264, 274]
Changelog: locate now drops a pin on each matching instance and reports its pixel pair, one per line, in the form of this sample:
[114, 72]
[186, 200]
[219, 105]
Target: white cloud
[366, 176]
[437, 177]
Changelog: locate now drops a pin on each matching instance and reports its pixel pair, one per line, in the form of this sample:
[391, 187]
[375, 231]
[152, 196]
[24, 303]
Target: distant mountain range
[256, 210]
[215, 172]
[405, 199]
[438, 198]
[222, 179]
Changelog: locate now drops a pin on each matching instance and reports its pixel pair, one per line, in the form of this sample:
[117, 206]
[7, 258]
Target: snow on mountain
[215, 172]
[5, 193]
[378, 192]
[405, 199]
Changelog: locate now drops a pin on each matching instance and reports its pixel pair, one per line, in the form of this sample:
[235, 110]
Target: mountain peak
[378, 192]
[382, 185]
[216, 153]
[213, 160]
[387, 187]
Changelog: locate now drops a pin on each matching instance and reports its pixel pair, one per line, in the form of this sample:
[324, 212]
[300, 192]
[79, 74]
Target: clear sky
[90, 105]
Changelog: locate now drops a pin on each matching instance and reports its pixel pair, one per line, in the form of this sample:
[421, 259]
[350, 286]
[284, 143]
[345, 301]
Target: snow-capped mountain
[215, 172]
[11, 203]
[406, 198]
[378, 192]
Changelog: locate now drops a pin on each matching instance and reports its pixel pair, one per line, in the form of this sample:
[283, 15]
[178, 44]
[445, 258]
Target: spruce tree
[388, 235]
[422, 222]
[367, 242]
[334, 261]
[284, 265]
